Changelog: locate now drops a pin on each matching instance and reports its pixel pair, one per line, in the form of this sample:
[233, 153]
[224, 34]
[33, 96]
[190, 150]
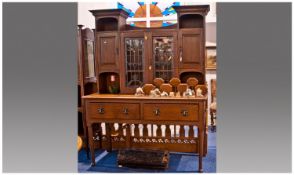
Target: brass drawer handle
[156, 112]
[126, 111]
[101, 110]
[185, 113]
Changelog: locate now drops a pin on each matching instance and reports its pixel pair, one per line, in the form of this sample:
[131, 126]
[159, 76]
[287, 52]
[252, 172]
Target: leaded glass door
[134, 54]
[164, 55]
[134, 61]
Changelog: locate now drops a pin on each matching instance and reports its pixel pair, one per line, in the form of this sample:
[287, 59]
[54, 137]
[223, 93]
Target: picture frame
[211, 61]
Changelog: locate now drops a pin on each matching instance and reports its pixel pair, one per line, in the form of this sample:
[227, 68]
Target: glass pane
[134, 53]
[163, 57]
[89, 70]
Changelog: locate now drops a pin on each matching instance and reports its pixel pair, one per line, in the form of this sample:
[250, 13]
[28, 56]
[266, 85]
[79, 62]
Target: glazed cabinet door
[133, 48]
[191, 49]
[163, 62]
[107, 51]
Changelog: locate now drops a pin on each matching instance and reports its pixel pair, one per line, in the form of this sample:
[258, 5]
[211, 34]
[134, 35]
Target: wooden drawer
[183, 112]
[113, 110]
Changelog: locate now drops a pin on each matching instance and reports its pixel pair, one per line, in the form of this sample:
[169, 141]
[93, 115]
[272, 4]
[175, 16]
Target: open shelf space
[191, 21]
[109, 83]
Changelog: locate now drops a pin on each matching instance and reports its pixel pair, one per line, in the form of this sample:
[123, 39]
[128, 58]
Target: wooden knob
[126, 111]
[101, 110]
[184, 113]
[156, 112]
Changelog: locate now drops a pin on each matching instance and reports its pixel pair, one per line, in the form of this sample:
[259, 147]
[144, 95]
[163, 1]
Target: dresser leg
[201, 135]
[91, 143]
[85, 135]
[109, 139]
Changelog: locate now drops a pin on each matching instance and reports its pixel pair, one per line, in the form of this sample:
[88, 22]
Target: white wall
[85, 17]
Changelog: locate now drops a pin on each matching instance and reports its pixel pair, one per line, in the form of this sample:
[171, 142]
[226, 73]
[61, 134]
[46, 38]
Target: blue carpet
[179, 162]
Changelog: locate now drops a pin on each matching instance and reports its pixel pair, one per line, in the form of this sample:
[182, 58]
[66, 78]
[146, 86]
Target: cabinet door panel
[191, 49]
[163, 56]
[133, 62]
[107, 48]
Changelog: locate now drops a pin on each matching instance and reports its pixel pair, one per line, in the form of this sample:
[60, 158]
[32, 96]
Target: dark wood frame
[207, 66]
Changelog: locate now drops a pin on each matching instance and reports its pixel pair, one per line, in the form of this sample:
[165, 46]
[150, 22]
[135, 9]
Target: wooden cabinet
[128, 57]
[191, 49]
[136, 56]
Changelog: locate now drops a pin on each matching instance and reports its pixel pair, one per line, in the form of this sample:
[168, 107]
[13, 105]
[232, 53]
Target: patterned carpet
[179, 162]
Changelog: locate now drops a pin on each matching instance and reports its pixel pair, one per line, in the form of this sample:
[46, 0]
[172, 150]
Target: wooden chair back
[213, 90]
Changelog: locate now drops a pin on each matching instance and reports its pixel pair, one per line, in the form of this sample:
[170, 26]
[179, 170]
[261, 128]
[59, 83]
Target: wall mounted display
[211, 57]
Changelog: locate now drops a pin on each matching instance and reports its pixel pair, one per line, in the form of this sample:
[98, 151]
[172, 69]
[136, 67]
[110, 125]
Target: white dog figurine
[155, 93]
[199, 92]
[188, 93]
[164, 94]
[139, 92]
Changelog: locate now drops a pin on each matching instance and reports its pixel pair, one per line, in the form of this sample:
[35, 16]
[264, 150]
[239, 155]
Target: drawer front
[114, 110]
[178, 112]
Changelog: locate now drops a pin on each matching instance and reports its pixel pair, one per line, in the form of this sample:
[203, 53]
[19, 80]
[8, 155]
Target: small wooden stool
[182, 88]
[157, 82]
[166, 88]
[192, 82]
[175, 82]
[147, 88]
